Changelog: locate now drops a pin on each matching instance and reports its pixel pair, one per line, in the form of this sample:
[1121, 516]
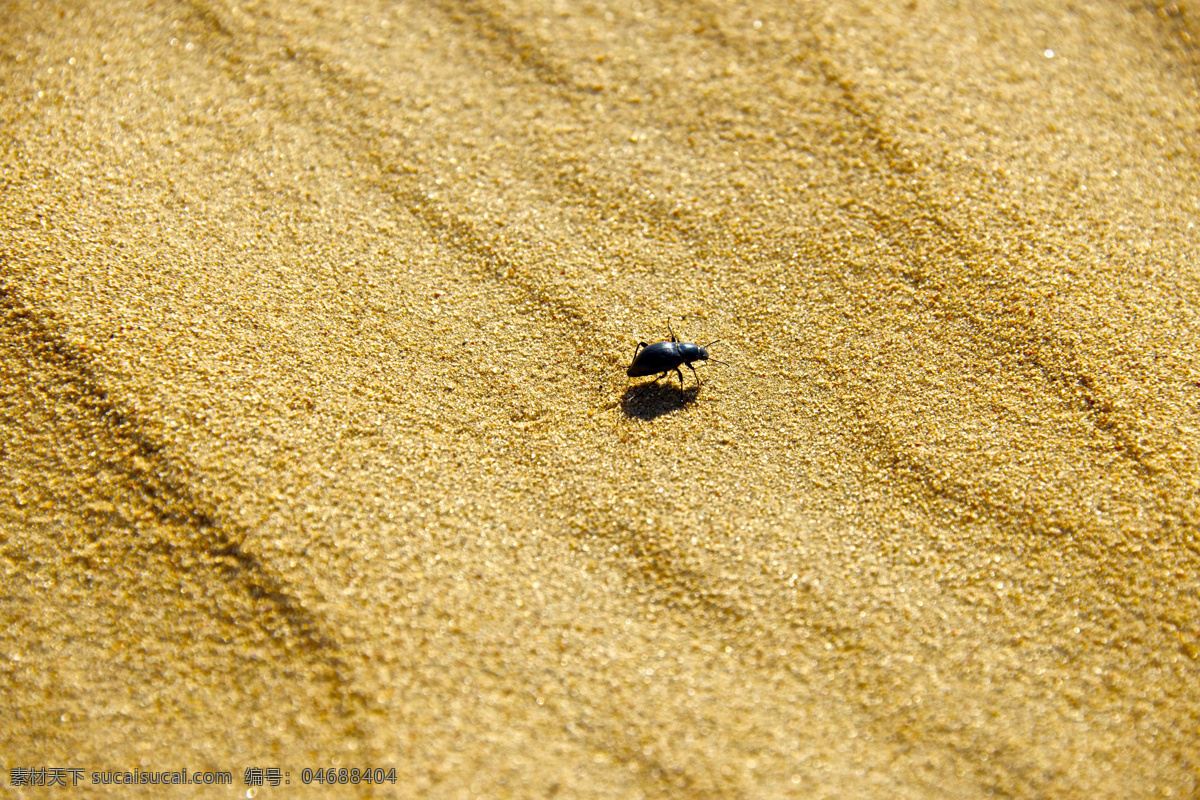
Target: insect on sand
[662, 357]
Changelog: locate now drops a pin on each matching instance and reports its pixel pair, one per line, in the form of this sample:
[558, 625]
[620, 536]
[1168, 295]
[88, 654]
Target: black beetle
[666, 356]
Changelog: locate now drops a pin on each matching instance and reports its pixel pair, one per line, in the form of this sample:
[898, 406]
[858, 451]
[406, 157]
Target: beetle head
[703, 353]
[703, 348]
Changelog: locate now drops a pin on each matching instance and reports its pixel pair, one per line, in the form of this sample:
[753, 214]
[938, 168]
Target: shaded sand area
[318, 449]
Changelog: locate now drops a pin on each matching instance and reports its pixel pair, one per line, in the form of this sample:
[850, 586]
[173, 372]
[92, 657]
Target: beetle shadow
[650, 401]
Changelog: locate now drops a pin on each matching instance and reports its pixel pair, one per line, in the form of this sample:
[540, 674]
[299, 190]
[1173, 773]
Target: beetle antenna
[710, 344]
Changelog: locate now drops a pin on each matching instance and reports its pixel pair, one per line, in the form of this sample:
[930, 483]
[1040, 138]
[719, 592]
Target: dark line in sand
[152, 472]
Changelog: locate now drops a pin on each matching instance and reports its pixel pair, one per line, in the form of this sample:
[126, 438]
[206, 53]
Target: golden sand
[318, 449]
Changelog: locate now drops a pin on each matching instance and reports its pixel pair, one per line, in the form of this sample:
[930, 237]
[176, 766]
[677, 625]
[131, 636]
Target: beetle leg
[646, 386]
[679, 372]
[693, 369]
[673, 339]
[638, 349]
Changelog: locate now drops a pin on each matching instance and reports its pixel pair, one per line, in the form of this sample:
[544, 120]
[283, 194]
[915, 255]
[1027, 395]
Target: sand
[318, 449]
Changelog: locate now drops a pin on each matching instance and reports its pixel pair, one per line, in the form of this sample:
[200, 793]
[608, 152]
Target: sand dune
[318, 448]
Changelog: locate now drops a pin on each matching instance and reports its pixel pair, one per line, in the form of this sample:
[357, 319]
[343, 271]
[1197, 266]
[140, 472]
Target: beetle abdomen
[654, 359]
